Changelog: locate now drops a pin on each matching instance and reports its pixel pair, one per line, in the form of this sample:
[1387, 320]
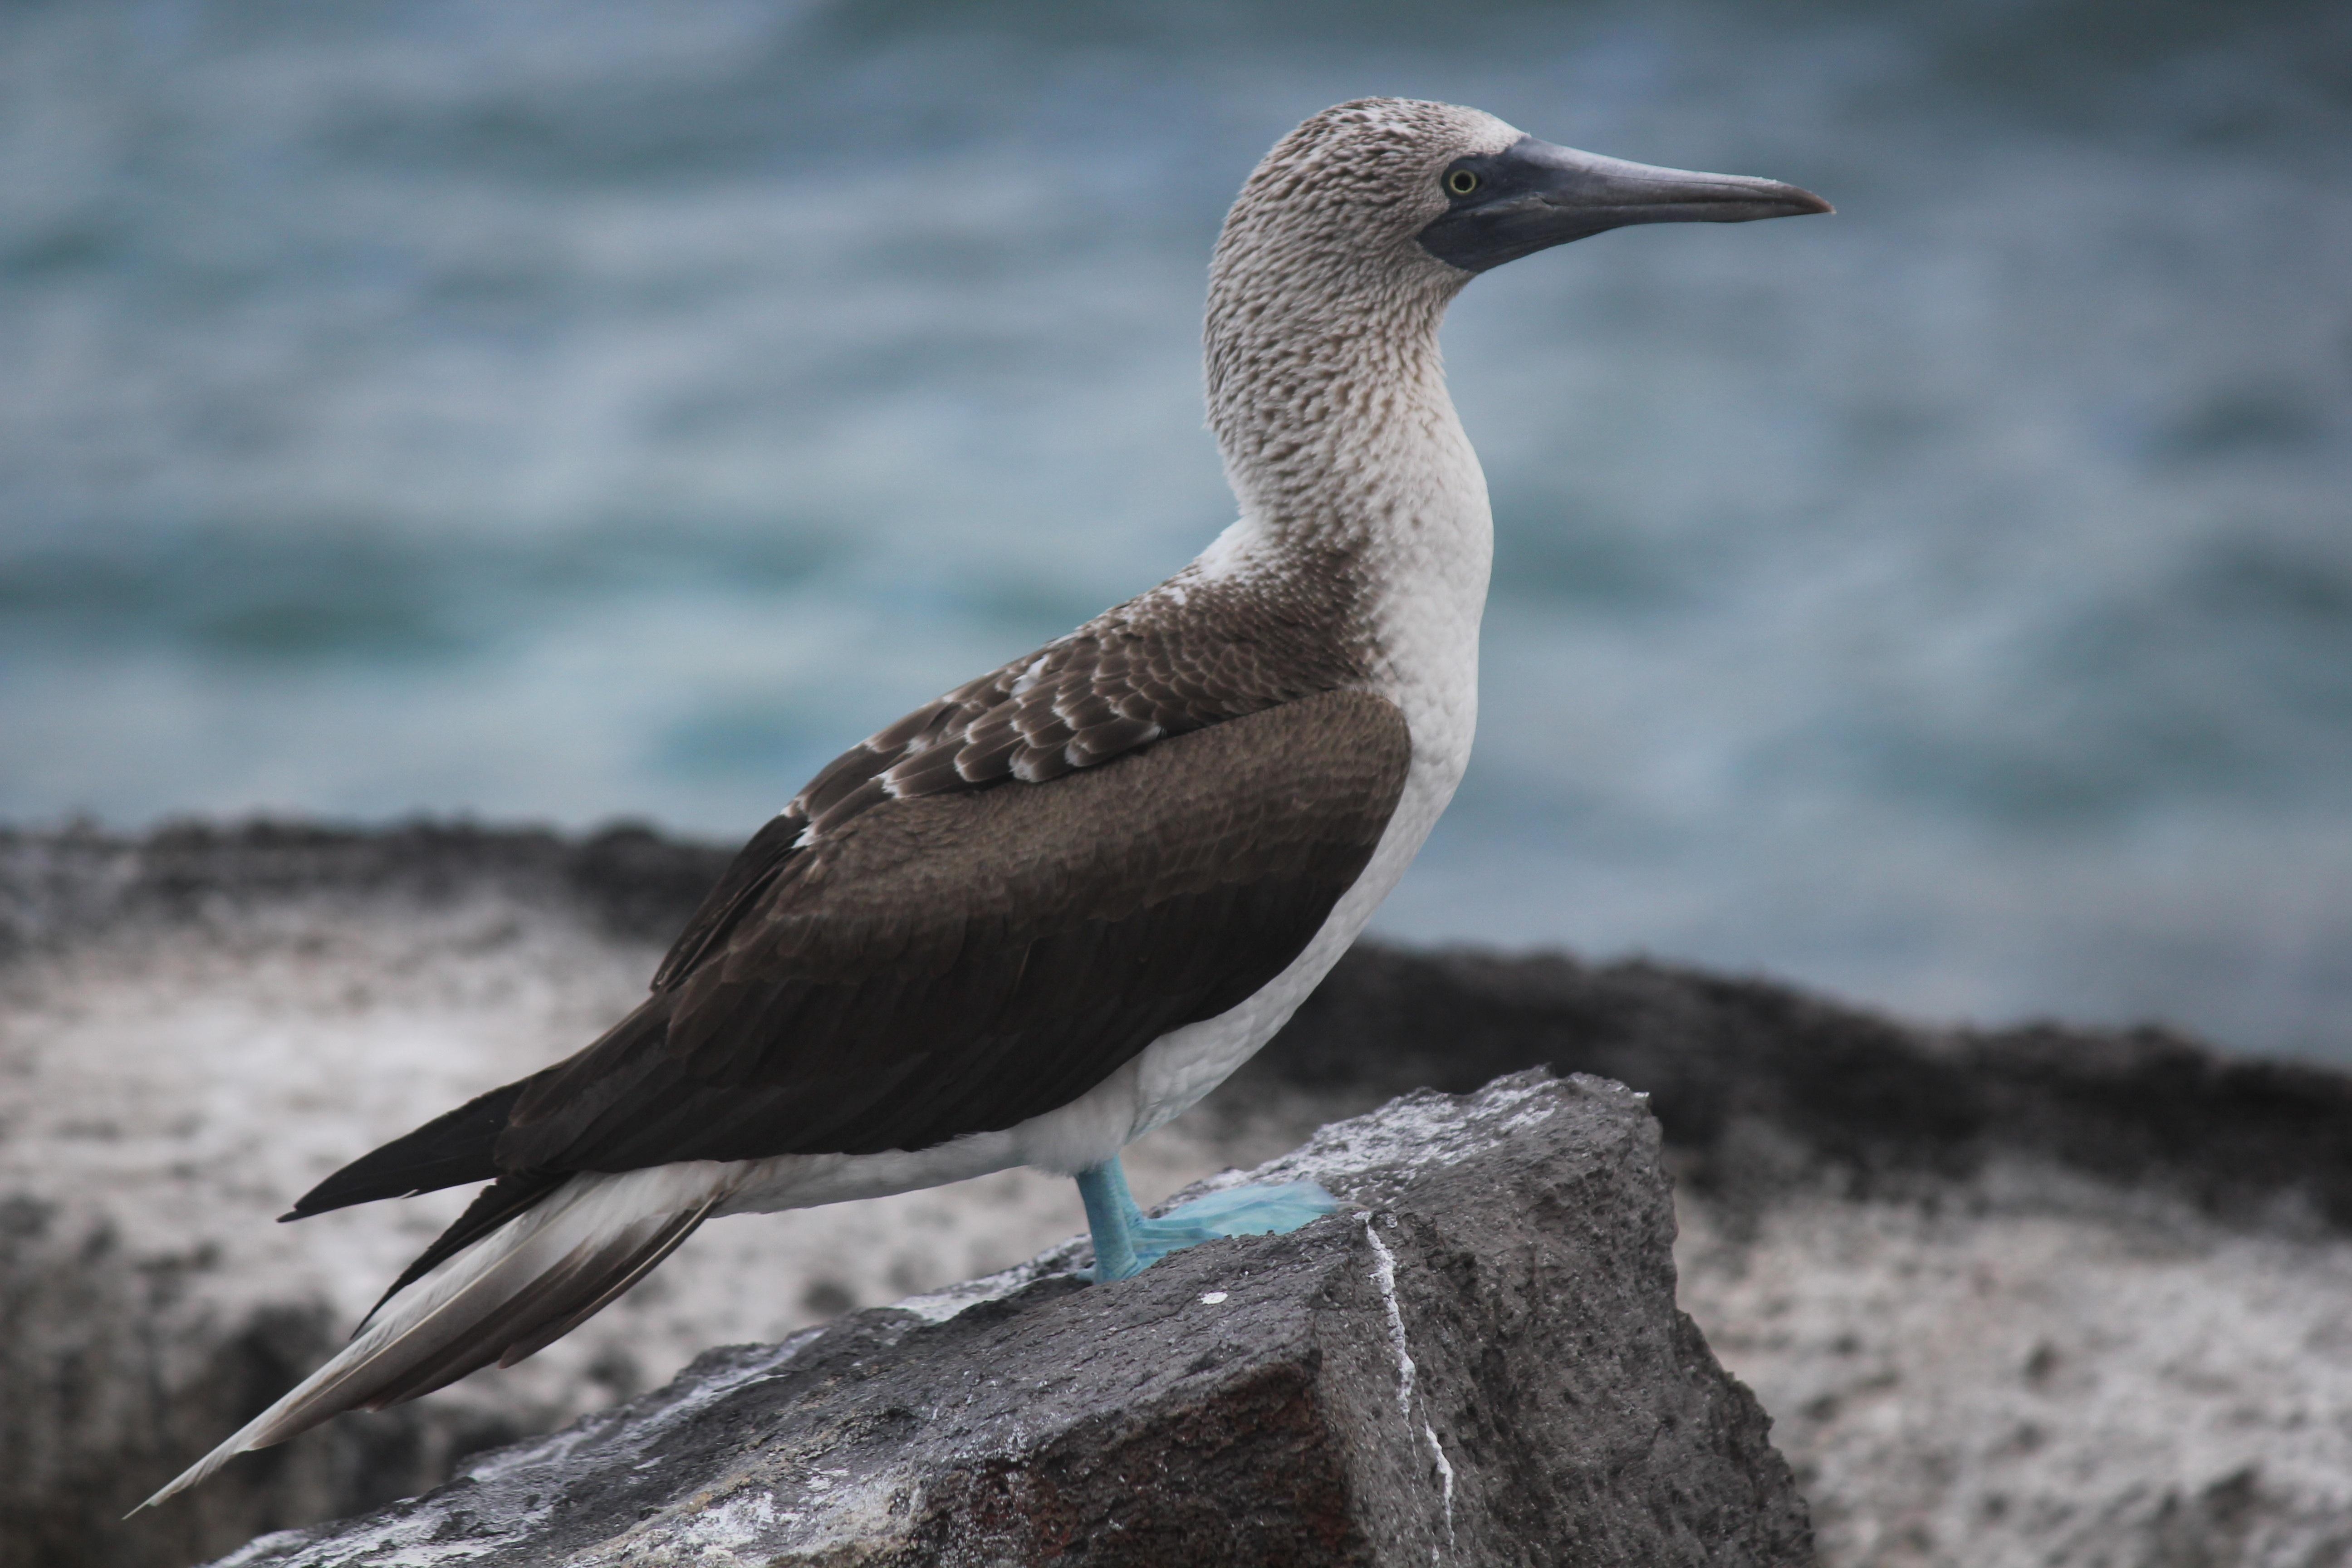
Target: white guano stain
[1385, 1276]
[1445, 1477]
[738, 1521]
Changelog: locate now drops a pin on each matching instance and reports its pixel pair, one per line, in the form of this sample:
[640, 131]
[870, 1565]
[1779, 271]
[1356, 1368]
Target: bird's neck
[1324, 407]
[1330, 407]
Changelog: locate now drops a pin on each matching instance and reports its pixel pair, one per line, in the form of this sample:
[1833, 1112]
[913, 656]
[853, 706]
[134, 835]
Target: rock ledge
[1478, 1361]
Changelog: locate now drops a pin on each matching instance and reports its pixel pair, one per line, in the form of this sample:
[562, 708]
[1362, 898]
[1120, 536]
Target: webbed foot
[1126, 1243]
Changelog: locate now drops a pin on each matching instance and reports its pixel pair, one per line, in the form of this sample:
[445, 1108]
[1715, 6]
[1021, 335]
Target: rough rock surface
[2023, 1297]
[1477, 1361]
[2028, 1369]
[2015, 1298]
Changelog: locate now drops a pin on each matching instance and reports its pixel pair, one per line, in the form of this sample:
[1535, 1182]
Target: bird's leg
[1112, 1217]
[1127, 1243]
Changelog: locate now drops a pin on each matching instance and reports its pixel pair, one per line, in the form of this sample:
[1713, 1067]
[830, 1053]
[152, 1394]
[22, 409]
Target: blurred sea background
[570, 412]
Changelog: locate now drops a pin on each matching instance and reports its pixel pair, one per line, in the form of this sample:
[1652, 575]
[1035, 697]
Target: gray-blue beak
[1533, 196]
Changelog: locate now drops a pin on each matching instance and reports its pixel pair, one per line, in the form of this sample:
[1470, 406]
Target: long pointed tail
[509, 1295]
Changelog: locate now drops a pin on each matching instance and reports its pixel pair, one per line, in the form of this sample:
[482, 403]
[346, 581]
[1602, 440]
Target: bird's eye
[1462, 182]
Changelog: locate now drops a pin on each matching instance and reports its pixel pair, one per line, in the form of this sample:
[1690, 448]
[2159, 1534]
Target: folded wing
[959, 962]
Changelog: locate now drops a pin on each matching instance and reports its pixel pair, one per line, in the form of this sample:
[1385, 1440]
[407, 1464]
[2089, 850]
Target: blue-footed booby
[1043, 915]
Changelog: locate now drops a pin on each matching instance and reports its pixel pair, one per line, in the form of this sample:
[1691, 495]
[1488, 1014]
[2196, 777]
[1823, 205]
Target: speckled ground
[2034, 1370]
[2016, 1364]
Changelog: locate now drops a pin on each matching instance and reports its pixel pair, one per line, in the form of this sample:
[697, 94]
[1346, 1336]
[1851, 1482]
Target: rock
[2015, 1298]
[2024, 1368]
[1478, 1361]
[55, 888]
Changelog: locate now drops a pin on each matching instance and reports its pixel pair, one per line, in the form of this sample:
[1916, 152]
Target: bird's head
[1407, 197]
[1346, 243]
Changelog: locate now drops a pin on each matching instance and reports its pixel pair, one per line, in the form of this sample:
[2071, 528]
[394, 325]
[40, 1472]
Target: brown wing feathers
[865, 979]
[960, 963]
[945, 940]
[449, 1151]
[1116, 685]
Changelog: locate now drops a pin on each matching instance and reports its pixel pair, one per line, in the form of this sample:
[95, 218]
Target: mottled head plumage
[1345, 247]
[1340, 200]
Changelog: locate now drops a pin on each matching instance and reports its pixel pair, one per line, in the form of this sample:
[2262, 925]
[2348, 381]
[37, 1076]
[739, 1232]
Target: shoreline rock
[1479, 1361]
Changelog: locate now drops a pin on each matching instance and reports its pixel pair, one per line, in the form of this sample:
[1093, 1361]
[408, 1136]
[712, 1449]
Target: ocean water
[574, 411]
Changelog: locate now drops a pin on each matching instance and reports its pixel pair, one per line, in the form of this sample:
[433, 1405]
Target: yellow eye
[1462, 182]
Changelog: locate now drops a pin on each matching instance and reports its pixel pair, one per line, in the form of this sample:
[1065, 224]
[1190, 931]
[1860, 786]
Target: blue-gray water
[569, 411]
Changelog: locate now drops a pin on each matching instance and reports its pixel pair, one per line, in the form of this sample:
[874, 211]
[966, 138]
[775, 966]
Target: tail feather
[453, 1148]
[495, 1204]
[612, 1283]
[461, 1146]
[504, 1297]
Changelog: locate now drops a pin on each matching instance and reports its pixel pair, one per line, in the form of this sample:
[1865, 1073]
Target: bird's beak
[1533, 196]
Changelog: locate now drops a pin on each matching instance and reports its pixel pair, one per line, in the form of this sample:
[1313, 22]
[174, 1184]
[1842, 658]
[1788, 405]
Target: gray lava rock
[1477, 1361]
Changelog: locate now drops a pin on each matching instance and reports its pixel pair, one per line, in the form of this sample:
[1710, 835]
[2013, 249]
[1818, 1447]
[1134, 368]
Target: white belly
[1178, 1070]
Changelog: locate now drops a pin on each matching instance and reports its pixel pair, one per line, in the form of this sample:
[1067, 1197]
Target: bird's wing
[915, 801]
[959, 961]
[1116, 686]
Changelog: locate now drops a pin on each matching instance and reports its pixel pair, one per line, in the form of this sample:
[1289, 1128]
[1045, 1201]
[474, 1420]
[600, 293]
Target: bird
[1039, 917]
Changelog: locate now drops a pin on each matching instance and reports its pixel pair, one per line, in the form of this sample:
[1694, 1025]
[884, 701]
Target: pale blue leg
[1112, 1217]
[1126, 1243]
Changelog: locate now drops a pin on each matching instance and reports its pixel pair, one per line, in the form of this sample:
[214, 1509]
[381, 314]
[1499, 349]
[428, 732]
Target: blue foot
[1126, 1243]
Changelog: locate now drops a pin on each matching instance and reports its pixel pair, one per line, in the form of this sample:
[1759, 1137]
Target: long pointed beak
[1534, 195]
